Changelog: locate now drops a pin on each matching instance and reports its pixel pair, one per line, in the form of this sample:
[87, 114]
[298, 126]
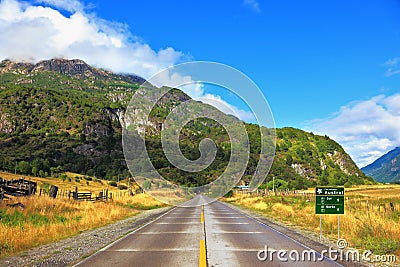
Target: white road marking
[229, 223]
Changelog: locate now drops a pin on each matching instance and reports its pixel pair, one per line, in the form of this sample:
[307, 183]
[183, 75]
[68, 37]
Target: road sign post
[329, 200]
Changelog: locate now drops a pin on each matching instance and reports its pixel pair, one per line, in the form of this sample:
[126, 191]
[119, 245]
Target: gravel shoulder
[71, 250]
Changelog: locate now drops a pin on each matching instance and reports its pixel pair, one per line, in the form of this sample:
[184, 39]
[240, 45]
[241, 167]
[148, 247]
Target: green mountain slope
[311, 159]
[386, 169]
[64, 115]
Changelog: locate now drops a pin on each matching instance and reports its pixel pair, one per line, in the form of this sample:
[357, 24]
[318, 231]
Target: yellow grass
[142, 201]
[368, 222]
[44, 219]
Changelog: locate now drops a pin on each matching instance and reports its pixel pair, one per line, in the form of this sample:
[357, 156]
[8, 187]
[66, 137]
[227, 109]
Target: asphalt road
[212, 234]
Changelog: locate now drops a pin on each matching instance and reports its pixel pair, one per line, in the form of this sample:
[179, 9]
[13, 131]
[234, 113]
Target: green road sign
[329, 200]
[329, 191]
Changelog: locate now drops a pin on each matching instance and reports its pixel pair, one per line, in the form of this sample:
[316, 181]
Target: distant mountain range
[386, 169]
[65, 115]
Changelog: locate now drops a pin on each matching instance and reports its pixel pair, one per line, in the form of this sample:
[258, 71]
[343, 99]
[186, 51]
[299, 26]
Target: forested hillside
[62, 115]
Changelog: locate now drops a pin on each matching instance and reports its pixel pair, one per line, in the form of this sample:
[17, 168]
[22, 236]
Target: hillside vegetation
[61, 115]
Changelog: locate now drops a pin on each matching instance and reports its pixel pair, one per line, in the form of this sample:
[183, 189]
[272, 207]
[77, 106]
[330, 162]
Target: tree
[146, 185]
[35, 171]
[323, 180]
[289, 160]
[36, 165]
[278, 184]
[24, 167]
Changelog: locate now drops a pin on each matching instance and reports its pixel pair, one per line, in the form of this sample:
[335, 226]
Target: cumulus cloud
[253, 4]
[34, 32]
[366, 129]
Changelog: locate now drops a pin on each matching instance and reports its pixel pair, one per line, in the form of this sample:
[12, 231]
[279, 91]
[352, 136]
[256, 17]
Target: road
[197, 234]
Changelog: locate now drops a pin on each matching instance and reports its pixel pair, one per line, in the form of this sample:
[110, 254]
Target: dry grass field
[41, 219]
[371, 220]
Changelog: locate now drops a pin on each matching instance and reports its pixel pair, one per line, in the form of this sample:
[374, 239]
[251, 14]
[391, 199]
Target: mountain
[385, 169]
[65, 115]
[73, 68]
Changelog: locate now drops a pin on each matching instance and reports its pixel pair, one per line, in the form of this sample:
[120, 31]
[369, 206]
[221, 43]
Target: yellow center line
[202, 217]
[202, 258]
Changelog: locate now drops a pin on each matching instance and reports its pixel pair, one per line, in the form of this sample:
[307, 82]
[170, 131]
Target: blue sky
[309, 59]
[331, 67]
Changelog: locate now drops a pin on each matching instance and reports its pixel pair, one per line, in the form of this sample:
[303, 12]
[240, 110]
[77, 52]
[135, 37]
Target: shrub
[122, 187]
[229, 194]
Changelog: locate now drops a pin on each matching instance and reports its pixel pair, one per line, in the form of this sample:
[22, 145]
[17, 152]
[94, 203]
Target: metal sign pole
[320, 227]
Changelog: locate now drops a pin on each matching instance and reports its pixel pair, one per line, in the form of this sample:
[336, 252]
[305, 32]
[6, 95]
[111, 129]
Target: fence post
[53, 191]
[392, 206]
[107, 194]
[76, 193]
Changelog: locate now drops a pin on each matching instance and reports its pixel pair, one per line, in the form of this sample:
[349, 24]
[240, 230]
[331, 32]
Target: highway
[198, 234]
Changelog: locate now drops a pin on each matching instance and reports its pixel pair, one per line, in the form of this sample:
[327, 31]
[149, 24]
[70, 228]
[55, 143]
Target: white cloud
[253, 4]
[33, 33]
[366, 129]
[393, 67]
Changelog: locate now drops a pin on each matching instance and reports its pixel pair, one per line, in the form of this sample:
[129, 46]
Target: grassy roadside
[41, 219]
[44, 220]
[368, 223]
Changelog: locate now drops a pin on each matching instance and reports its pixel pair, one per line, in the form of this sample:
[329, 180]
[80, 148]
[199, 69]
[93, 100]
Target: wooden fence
[266, 192]
[20, 187]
